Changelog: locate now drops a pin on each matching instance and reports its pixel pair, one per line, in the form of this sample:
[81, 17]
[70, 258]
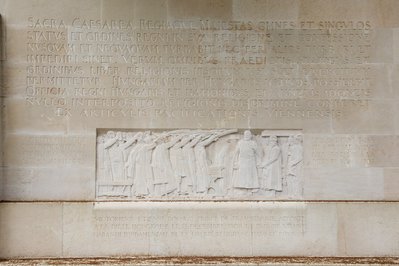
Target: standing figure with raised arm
[164, 176]
[188, 184]
[143, 181]
[221, 167]
[130, 165]
[128, 145]
[104, 175]
[115, 154]
[179, 163]
[245, 157]
[202, 167]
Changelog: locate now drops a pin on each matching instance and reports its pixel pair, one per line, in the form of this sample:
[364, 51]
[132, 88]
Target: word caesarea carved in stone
[199, 164]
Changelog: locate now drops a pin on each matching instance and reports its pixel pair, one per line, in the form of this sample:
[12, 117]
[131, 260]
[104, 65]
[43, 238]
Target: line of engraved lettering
[62, 80]
[51, 47]
[46, 36]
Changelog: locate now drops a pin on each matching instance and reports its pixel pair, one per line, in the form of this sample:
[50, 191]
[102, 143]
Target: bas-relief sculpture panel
[169, 93]
[199, 164]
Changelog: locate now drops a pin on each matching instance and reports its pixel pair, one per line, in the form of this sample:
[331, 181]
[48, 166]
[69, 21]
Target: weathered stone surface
[183, 127]
[215, 229]
[170, 229]
[185, 261]
[31, 230]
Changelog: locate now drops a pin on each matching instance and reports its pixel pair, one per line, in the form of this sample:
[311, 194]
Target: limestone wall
[323, 71]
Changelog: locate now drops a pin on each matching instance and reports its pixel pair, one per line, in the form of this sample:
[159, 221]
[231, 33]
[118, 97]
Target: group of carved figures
[198, 163]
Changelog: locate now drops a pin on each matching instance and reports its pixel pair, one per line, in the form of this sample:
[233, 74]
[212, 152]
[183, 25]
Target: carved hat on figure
[273, 139]
[111, 134]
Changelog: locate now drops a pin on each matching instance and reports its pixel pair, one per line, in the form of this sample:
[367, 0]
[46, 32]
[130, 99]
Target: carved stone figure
[103, 169]
[294, 164]
[246, 176]
[127, 146]
[272, 167]
[264, 151]
[115, 153]
[143, 178]
[187, 163]
[131, 160]
[115, 158]
[191, 171]
[101, 158]
[164, 177]
[222, 167]
[179, 165]
[201, 160]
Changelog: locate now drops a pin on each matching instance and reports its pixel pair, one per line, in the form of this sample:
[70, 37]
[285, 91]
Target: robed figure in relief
[165, 180]
[246, 154]
[272, 164]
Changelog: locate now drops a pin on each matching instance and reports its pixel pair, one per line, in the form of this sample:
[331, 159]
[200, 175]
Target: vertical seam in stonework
[331, 119]
[252, 237]
[3, 36]
[341, 231]
[62, 228]
[101, 10]
[167, 10]
[2, 124]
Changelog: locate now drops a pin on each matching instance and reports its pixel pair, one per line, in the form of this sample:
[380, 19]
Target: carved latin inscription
[199, 164]
[87, 68]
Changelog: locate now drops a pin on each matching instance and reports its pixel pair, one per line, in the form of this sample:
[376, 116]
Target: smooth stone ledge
[260, 261]
[199, 229]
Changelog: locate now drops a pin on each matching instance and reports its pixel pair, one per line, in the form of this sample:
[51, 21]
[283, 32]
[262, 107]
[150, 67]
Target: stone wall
[315, 82]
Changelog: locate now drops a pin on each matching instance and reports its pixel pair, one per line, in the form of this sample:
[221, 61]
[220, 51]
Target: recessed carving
[199, 164]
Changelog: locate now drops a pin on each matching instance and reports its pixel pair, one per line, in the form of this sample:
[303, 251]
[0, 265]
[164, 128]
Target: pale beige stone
[49, 184]
[341, 10]
[391, 178]
[368, 229]
[326, 69]
[172, 228]
[395, 47]
[320, 226]
[184, 9]
[336, 151]
[57, 150]
[397, 119]
[31, 230]
[18, 11]
[387, 9]
[383, 151]
[345, 229]
[145, 228]
[351, 151]
[15, 46]
[382, 46]
[370, 117]
[152, 10]
[394, 79]
[344, 184]
[63, 171]
[119, 9]
[19, 118]
[381, 81]
[272, 10]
